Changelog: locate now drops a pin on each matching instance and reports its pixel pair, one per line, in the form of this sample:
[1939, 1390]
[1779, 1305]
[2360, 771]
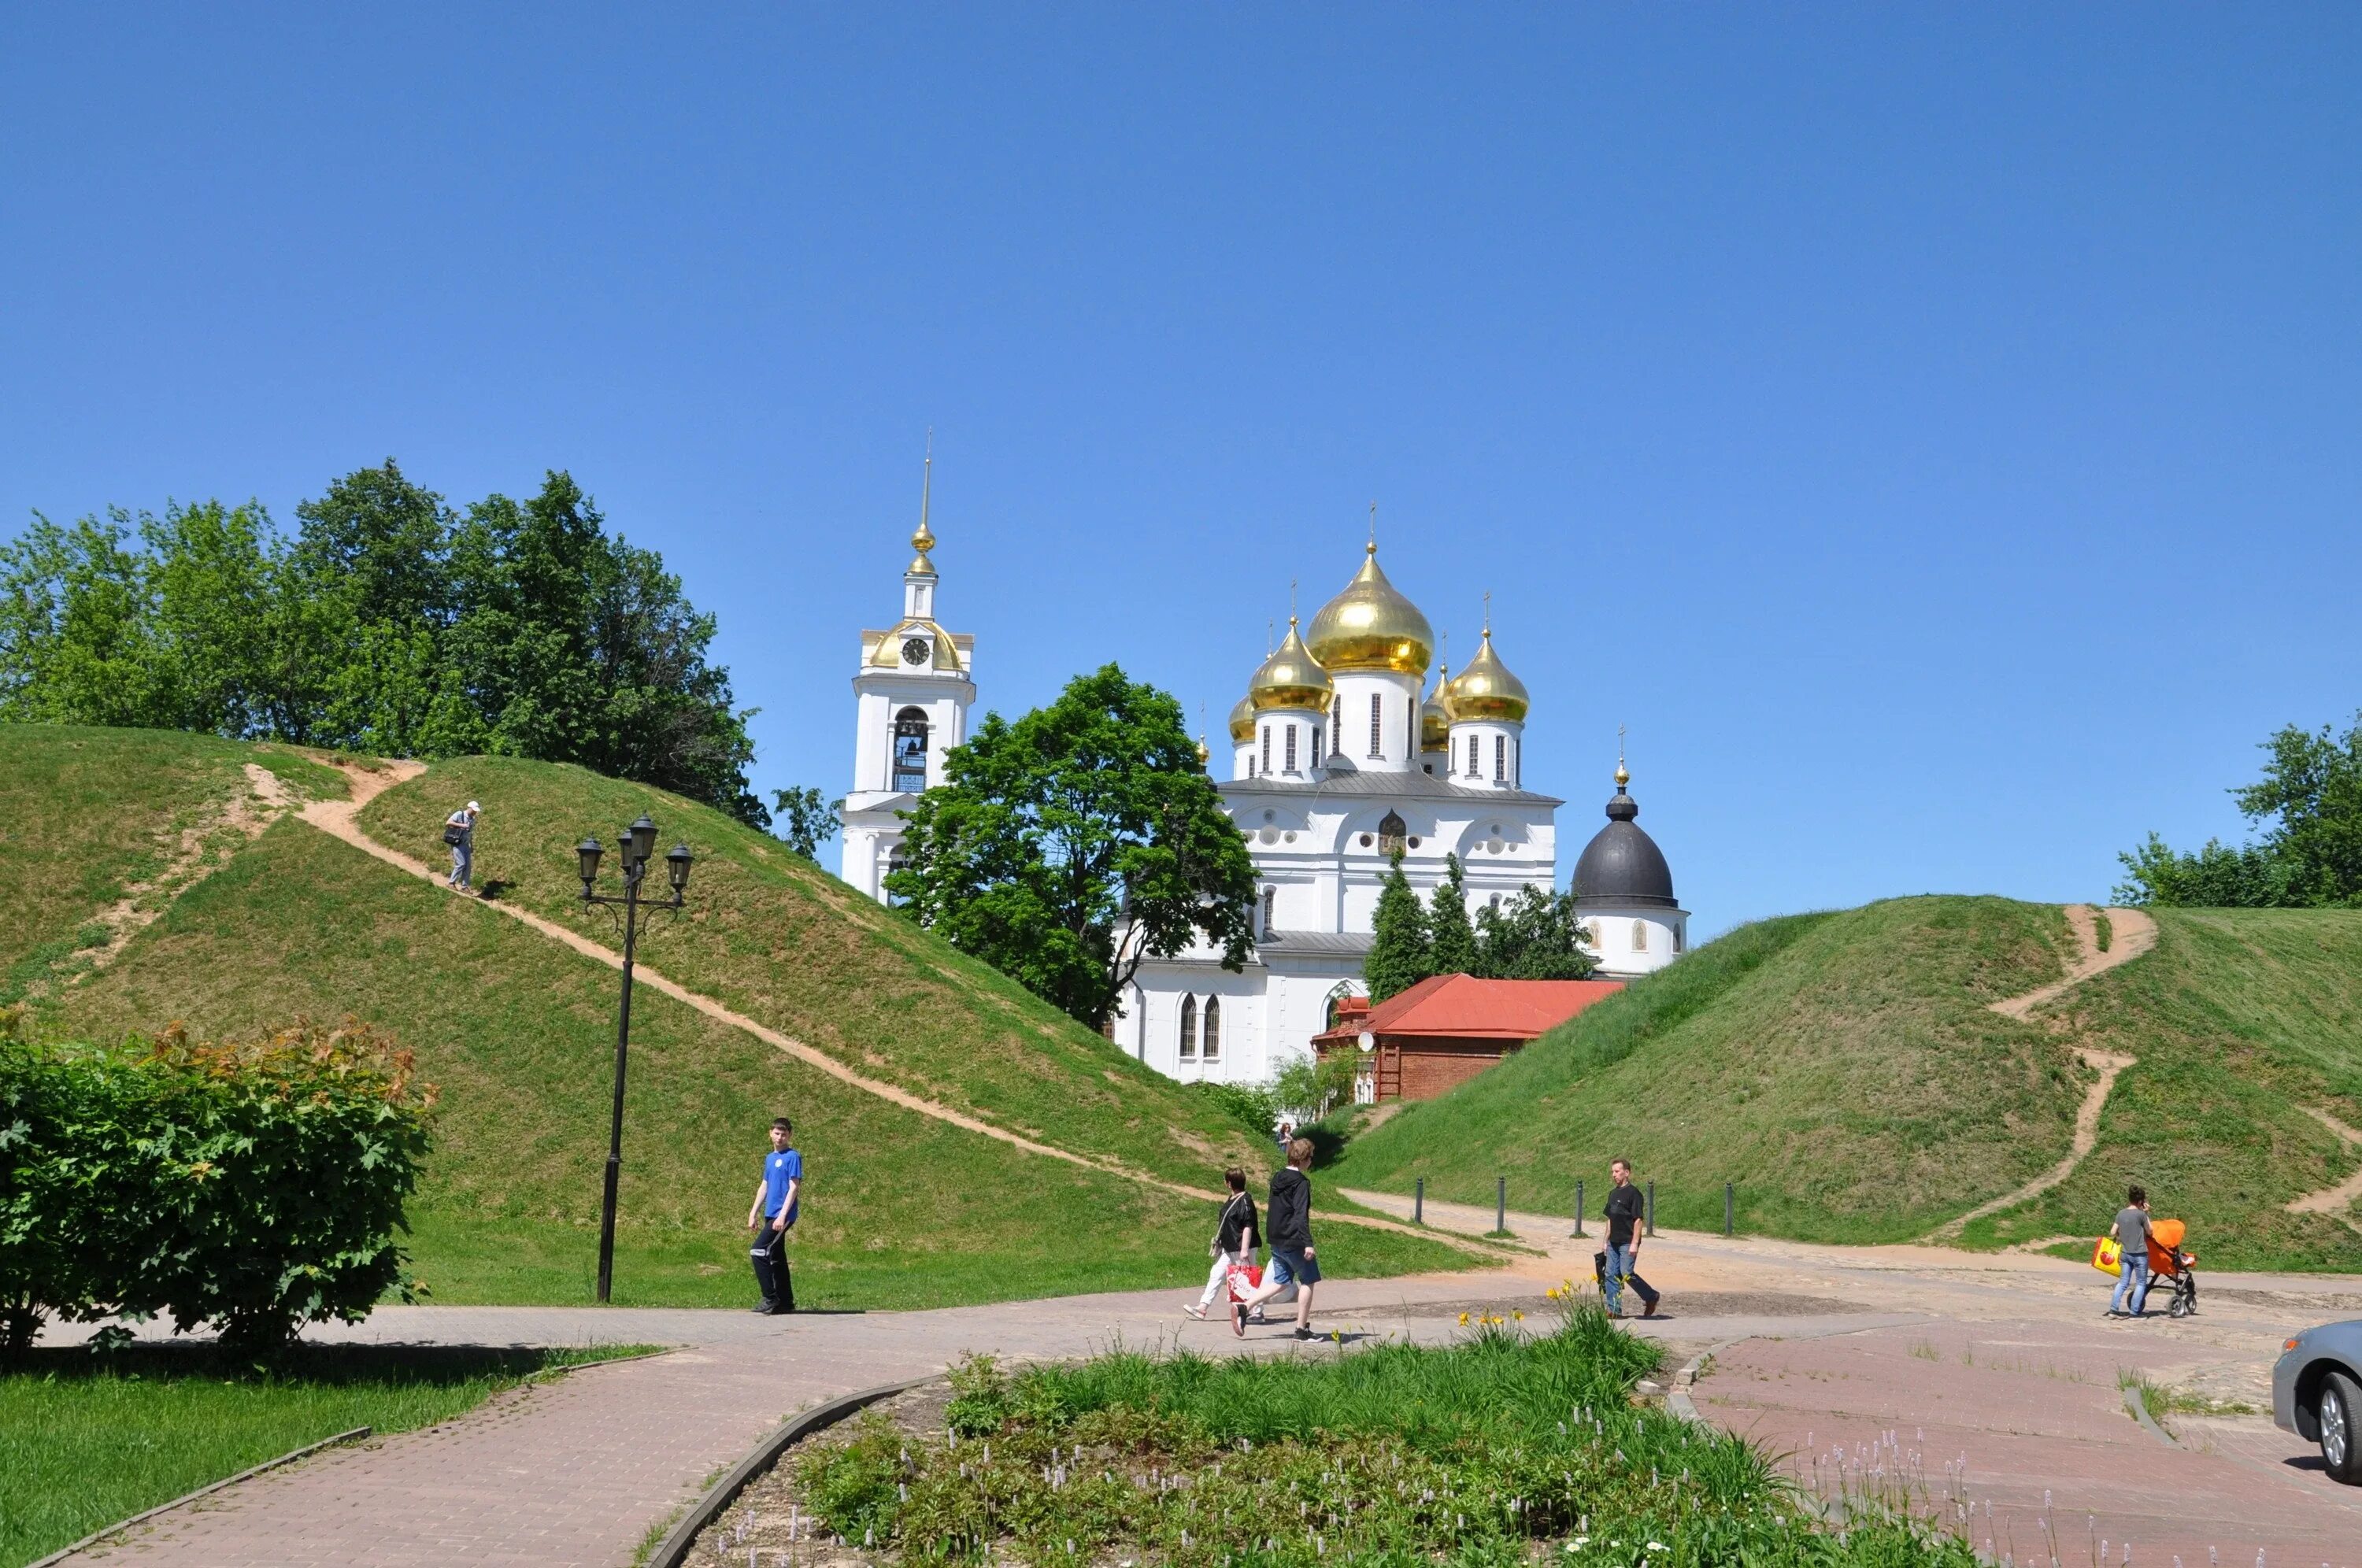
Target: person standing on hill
[2131, 1230]
[777, 1199]
[459, 832]
[1624, 1213]
[1236, 1236]
[1290, 1213]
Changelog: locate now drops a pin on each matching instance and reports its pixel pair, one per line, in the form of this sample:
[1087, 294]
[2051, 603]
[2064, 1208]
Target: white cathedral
[1342, 758]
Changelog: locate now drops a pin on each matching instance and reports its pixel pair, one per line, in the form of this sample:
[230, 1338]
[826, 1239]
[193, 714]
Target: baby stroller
[2169, 1264]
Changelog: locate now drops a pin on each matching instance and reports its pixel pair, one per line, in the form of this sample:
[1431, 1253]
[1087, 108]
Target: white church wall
[1397, 697]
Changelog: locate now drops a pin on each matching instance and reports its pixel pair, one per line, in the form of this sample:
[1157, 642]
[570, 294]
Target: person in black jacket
[1236, 1236]
[1290, 1215]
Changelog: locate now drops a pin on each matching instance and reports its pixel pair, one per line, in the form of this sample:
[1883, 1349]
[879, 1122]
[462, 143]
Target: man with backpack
[773, 1215]
[459, 832]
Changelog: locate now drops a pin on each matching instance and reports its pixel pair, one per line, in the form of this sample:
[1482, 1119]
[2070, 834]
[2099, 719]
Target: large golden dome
[1291, 678]
[1371, 627]
[1435, 714]
[1486, 689]
[1242, 721]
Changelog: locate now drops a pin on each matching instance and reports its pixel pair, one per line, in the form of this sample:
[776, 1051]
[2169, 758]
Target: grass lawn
[87, 1441]
[1504, 1448]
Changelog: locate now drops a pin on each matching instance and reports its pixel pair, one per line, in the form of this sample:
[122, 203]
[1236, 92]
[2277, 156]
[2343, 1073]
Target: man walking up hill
[459, 832]
[773, 1215]
[1624, 1228]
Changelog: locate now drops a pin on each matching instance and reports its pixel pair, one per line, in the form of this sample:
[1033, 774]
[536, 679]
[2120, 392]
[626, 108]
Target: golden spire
[1623, 774]
[924, 539]
[1204, 756]
[1372, 547]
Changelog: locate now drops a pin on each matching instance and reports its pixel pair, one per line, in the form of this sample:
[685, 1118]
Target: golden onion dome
[1370, 626]
[1291, 678]
[1435, 714]
[1242, 724]
[1204, 754]
[1486, 689]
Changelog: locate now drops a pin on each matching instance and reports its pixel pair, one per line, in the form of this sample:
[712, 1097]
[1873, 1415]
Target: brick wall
[1430, 1066]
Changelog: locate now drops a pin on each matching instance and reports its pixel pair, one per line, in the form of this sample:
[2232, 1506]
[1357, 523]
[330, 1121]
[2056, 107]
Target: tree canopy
[1533, 935]
[1402, 952]
[2309, 802]
[390, 623]
[1068, 847]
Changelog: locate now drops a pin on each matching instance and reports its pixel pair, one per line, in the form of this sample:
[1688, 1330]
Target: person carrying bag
[1236, 1236]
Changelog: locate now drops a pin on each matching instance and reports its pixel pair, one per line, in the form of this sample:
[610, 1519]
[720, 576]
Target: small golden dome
[1242, 721]
[1371, 627]
[1291, 678]
[1622, 776]
[1486, 689]
[1204, 756]
[1435, 714]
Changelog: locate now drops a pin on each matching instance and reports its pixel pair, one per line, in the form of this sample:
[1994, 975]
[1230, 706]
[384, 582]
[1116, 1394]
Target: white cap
[473, 807]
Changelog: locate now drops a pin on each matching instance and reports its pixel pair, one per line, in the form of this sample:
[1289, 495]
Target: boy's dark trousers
[769, 1251]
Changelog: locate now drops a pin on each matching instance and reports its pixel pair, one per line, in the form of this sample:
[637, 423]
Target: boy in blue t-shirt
[773, 1215]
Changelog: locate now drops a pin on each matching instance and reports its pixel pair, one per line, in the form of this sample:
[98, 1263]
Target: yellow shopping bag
[2107, 1256]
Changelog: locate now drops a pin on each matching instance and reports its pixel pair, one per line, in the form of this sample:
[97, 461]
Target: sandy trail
[2338, 1201]
[341, 819]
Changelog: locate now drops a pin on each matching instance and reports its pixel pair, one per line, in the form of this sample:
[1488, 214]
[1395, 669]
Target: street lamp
[635, 844]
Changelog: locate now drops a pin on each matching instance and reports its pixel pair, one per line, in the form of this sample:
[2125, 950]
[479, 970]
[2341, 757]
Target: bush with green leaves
[253, 1186]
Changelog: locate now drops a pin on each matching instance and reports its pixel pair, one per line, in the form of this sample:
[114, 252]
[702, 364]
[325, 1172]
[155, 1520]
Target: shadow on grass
[376, 1365]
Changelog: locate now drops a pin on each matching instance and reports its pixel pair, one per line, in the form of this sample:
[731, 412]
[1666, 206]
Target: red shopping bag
[1245, 1280]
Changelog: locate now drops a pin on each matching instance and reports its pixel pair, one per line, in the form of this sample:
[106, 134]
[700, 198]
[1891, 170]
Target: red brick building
[1444, 1030]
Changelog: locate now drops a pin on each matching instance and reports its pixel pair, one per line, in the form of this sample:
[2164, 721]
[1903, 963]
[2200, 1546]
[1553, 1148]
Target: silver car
[2317, 1395]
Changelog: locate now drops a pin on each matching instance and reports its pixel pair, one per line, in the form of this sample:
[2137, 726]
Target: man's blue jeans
[1621, 1262]
[2132, 1286]
[463, 862]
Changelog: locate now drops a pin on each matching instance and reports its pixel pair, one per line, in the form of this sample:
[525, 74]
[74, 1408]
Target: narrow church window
[1500, 759]
[1472, 756]
[1266, 748]
[1291, 748]
[1212, 1051]
[1337, 726]
[1639, 936]
[1270, 898]
[1391, 834]
[910, 750]
[1316, 746]
[1188, 1029]
[1378, 723]
[1677, 939]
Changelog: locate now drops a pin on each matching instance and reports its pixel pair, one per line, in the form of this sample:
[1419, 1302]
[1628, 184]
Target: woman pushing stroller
[2150, 1249]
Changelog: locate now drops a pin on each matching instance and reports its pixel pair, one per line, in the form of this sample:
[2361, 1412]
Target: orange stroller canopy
[2165, 1245]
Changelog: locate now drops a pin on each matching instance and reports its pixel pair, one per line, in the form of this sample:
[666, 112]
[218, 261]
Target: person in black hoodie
[1236, 1236]
[1290, 1217]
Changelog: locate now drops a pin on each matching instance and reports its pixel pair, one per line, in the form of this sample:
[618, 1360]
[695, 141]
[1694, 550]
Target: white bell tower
[911, 693]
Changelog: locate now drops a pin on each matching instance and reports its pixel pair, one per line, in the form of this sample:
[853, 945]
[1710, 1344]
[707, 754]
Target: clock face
[914, 650]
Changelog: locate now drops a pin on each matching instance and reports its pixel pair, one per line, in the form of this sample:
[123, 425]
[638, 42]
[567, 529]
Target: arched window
[1188, 1029]
[910, 750]
[1392, 834]
[1639, 936]
[1270, 899]
[1212, 1051]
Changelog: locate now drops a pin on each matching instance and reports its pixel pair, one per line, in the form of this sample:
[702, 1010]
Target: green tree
[804, 818]
[1451, 940]
[1400, 952]
[1533, 936]
[2309, 803]
[1065, 848]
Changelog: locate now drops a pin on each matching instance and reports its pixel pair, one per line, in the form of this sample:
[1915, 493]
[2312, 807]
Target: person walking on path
[1290, 1214]
[2131, 1230]
[776, 1198]
[459, 832]
[1624, 1230]
[1236, 1236]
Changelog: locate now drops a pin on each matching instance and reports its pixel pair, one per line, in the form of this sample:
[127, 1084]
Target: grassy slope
[1842, 1069]
[519, 1034]
[84, 1443]
[2240, 1019]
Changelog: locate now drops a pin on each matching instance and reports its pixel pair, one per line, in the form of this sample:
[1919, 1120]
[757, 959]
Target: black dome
[1622, 865]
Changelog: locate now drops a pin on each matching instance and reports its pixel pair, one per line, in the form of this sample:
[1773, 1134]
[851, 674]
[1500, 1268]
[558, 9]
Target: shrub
[253, 1186]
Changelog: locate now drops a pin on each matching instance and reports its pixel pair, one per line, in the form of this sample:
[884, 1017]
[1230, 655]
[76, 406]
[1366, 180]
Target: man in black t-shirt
[1625, 1211]
[1290, 1217]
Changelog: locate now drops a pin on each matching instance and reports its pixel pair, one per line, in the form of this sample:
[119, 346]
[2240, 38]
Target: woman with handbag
[1236, 1236]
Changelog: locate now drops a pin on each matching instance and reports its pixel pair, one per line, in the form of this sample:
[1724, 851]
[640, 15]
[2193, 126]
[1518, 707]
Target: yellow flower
[1464, 1320]
[1520, 1317]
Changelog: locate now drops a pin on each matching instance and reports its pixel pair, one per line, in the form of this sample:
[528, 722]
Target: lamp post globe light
[635, 843]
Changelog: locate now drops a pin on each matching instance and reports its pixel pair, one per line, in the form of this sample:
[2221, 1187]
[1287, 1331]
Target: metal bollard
[1726, 1211]
[1418, 1202]
[1500, 1203]
[1578, 1208]
[1652, 1208]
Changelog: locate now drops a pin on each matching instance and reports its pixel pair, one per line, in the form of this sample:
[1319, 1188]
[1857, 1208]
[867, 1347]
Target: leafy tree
[1065, 848]
[1452, 941]
[1532, 937]
[804, 818]
[1400, 954]
[2310, 801]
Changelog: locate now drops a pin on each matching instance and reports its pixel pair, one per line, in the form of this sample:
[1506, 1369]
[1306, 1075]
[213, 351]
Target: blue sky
[1932, 430]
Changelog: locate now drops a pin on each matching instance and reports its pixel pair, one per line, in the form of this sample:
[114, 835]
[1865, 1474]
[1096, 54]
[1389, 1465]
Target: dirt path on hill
[341, 819]
[2337, 1202]
[2131, 932]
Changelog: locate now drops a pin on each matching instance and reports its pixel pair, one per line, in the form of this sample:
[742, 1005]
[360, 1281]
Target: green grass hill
[1844, 1070]
[518, 1032]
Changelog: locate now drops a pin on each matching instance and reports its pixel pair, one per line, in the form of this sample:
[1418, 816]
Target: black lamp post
[635, 843]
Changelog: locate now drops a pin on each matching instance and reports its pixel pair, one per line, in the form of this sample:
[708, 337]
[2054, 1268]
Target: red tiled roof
[1466, 1006]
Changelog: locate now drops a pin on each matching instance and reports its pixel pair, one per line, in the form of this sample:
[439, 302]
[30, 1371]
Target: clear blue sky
[1932, 429]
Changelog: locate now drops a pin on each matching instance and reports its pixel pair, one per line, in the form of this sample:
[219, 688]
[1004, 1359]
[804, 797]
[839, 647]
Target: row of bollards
[1501, 1206]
